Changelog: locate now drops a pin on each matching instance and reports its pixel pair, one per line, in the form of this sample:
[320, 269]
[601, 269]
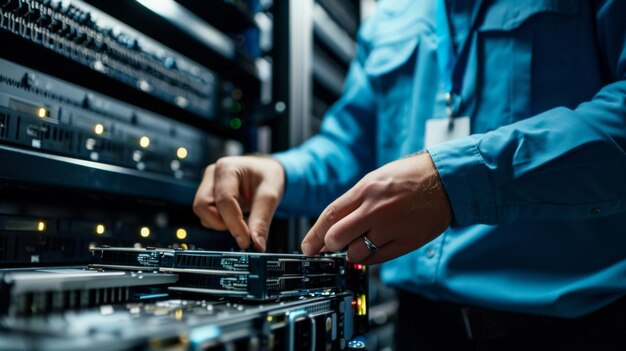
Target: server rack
[108, 113]
[313, 51]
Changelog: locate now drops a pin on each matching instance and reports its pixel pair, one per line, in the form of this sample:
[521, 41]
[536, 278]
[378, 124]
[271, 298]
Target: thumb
[264, 204]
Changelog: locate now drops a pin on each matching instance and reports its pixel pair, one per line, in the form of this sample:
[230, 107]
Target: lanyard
[451, 63]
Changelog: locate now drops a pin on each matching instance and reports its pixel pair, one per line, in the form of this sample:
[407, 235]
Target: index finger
[204, 202]
[264, 205]
[226, 193]
[313, 242]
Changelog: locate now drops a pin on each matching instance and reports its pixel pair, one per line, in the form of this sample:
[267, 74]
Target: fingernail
[306, 248]
[242, 242]
[261, 242]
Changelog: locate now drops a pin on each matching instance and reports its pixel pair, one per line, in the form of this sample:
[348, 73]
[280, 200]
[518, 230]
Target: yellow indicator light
[144, 232]
[178, 314]
[361, 308]
[144, 142]
[181, 152]
[181, 233]
[100, 229]
[41, 226]
[184, 246]
[42, 112]
[270, 318]
[98, 129]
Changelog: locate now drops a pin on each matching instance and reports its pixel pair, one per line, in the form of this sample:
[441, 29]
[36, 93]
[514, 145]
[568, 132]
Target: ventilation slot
[4, 125]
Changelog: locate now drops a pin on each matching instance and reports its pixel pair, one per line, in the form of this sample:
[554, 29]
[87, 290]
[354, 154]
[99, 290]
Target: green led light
[235, 123]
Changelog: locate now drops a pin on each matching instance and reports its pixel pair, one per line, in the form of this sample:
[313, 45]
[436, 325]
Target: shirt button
[430, 253]
[595, 211]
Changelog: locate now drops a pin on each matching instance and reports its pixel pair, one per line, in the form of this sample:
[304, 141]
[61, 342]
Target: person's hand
[235, 185]
[399, 207]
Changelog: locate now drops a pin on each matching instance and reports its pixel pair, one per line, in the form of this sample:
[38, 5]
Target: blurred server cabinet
[312, 51]
[314, 42]
[109, 112]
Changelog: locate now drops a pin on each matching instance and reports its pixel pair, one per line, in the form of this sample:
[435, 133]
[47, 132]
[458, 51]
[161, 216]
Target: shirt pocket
[525, 59]
[390, 68]
[389, 58]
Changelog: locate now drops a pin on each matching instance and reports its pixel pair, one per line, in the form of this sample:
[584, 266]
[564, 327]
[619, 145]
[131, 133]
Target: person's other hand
[399, 207]
[235, 185]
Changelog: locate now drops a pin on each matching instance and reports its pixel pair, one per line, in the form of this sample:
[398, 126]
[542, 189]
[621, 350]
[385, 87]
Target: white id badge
[438, 130]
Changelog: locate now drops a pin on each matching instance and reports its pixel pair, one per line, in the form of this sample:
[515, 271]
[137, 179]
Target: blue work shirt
[538, 191]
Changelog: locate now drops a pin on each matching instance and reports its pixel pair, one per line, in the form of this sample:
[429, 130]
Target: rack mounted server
[91, 38]
[249, 276]
[135, 299]
[312, 323]
[46, 114]
[27, 292]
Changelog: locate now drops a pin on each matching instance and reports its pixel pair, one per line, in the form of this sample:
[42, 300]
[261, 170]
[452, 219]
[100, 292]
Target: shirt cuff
[294, 182]
[466, 180]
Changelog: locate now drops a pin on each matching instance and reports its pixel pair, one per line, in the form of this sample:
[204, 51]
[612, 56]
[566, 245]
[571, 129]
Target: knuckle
[197, 206]
[226, 161]
[224, 164]
[209, 170]
[330, 214]
[367, 188]
[220, 164]
[200, 204]
[331, 242]
[222, 199]
[271, 196]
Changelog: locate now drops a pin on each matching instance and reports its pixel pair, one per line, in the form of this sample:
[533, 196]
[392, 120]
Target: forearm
[562, 164]
[318, 172]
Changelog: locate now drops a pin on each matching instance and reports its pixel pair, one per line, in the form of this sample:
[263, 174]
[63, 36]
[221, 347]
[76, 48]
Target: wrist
[438, 189]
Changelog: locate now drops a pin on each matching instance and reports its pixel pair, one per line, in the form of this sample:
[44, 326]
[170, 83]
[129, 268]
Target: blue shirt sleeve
[329, 163]
[563, 164]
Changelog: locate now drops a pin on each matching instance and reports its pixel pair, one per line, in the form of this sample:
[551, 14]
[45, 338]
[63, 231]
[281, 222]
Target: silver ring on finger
[369, 244]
